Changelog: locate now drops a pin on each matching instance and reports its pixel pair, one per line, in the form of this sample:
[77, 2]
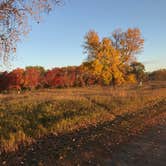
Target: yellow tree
[103, 59]
[92, 43]
[110, 58]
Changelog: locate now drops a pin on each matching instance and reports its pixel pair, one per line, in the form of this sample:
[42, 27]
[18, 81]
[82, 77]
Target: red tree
[15, 79]
[32, 78]
[55, 78]
[3, 81]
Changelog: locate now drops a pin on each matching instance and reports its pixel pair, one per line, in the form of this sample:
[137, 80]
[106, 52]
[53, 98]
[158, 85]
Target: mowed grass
[27, 117]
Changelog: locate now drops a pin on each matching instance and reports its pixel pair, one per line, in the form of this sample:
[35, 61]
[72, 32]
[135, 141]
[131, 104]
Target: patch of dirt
[147, 149]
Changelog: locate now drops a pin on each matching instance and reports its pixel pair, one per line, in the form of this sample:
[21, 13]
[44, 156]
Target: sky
[58, 40]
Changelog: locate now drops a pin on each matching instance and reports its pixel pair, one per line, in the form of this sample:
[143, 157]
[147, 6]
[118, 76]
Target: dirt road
[148, 149]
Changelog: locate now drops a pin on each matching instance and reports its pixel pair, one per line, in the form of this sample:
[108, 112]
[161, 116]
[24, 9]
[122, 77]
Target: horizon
[57, 41]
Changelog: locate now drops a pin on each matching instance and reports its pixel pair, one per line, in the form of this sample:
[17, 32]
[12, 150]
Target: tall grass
[26, 117]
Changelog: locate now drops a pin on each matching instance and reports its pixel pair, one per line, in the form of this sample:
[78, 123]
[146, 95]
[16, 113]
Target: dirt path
[148, 149]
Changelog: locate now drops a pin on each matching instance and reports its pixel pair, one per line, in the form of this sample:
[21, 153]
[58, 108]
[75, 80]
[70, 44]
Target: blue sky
[58, 39]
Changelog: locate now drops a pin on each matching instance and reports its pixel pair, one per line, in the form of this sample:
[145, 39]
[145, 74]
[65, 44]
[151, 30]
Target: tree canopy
[14, 16]
[111, 58]
[128, 43]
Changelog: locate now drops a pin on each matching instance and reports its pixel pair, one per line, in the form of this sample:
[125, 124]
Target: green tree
[138, 69]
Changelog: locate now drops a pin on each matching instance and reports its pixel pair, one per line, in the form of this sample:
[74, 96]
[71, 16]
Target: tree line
[35, 77]
[109, 61]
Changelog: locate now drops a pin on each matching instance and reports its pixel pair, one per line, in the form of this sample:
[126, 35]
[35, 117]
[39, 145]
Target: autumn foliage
[158, 75]
[36, 77]
[110, 61]
[14, 21]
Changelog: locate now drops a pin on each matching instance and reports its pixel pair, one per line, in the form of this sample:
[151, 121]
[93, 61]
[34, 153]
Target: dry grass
[26, 117]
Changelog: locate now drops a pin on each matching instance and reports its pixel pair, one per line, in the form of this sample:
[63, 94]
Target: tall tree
[110, 58]
[103, 59]
[129, 43]
[14, 16]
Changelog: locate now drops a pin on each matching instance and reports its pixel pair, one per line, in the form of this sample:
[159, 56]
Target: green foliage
[138, 69]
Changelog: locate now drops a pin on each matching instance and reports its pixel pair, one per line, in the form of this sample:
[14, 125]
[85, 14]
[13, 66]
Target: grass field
[60, 126]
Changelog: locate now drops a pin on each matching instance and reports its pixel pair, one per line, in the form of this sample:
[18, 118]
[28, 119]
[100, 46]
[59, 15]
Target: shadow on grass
[89, 146]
